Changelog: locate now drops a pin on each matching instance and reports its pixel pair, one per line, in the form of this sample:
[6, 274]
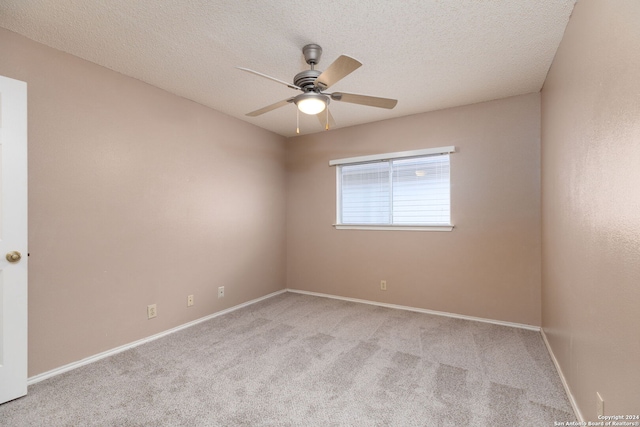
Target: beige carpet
[297, 360]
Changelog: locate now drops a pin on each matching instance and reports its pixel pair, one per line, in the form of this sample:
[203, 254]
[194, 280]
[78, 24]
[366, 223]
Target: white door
[13, 239]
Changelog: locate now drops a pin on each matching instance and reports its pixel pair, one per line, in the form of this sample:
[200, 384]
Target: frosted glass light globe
[311, 103]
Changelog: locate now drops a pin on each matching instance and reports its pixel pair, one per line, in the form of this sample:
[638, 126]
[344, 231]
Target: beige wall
[489, 266]
[591, 205]
[137, 196]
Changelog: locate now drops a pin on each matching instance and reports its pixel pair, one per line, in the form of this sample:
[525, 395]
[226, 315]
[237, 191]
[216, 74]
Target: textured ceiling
[428, 54]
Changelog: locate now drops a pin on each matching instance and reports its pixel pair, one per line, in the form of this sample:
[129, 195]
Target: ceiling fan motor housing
[305, 79]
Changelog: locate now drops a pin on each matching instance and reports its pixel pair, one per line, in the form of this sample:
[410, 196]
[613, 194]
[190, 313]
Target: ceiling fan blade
[270, 107]
[371, 101]
[322, 117]
[292, 86]
[339, 69]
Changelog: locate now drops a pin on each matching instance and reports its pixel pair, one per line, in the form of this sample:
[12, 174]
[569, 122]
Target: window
[406, 190]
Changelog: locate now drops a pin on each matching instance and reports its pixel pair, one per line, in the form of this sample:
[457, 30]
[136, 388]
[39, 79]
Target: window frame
[381, 158]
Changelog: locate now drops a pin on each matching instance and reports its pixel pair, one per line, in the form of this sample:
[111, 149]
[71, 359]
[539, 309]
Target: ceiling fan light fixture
[311, 103]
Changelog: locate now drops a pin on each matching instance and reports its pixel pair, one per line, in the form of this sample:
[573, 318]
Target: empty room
[292, 213]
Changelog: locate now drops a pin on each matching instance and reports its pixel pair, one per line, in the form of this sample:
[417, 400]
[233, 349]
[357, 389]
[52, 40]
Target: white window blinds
[421, 191]
[400, 191]
[366, 192]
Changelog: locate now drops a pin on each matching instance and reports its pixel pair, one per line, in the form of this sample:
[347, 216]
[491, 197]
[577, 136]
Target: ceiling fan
[313, 83]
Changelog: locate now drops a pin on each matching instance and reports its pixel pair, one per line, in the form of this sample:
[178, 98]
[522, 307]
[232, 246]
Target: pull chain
[297, 121]
[326, 127]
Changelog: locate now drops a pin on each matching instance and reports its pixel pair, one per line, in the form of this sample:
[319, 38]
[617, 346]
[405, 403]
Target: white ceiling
[428, 54]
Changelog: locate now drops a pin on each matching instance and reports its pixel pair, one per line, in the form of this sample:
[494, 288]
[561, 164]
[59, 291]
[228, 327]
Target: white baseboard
[567, 390]
[422, 310]
[104, 354]
[62, 369]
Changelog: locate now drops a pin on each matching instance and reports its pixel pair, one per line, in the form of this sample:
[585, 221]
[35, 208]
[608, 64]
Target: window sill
[394, 227]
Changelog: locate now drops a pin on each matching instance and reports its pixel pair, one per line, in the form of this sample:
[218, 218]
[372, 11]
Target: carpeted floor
[298, 360]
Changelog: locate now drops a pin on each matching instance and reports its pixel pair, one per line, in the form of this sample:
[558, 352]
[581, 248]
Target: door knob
[13, 256]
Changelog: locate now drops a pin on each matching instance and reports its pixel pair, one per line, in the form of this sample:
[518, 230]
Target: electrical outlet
[221, 292]
[189, 300]
[383, 285]
[151, 311]
[600, 403]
